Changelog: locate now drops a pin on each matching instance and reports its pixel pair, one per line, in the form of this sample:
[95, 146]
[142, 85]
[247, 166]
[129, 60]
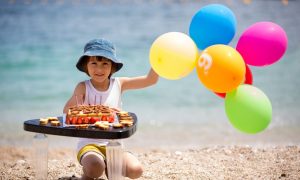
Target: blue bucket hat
[99, 47]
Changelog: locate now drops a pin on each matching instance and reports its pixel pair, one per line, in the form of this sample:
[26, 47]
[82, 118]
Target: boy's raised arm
[139, 82]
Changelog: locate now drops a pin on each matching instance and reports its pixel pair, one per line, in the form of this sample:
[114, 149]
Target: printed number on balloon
[221, 68]
[205, 62]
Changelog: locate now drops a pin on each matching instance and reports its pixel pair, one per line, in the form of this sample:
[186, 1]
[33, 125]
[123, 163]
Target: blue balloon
[212, 24]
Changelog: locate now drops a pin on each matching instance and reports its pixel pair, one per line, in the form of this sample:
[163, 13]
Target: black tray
[33, 125]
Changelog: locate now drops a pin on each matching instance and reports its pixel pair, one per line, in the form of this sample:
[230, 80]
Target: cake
[99, 116]
[89, 114]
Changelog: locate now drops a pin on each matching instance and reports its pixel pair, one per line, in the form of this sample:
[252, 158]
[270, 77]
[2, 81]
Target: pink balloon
[263, 43]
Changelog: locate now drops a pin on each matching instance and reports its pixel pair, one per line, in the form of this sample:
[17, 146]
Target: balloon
[212, 24]
[220, 68]
[173, 55]
[248, 76]
[248, 80]
[248, 109]
[222, 95]
[263, 43]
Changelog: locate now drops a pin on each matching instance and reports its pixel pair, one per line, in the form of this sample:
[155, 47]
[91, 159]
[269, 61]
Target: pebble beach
[219, 162]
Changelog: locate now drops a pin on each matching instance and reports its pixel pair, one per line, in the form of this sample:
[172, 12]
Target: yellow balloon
[173, 55]
[221, 68]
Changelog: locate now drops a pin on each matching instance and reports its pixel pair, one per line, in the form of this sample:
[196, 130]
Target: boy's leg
[93, 165]
[133, 168]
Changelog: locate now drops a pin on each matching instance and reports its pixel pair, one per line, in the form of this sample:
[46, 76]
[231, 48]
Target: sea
[42, 40]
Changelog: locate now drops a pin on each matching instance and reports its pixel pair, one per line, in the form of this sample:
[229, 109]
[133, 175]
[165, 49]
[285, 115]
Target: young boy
[99, 62]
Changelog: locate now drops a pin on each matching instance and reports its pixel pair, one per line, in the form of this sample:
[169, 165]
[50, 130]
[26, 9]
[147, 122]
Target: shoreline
[215, 162]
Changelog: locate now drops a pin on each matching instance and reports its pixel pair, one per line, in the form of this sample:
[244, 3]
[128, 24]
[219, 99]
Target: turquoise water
[41, 42]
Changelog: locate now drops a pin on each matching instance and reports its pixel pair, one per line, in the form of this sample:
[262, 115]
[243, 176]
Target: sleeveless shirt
[111, 97]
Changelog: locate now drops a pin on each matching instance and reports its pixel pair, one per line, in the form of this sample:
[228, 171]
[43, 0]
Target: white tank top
[111, 97]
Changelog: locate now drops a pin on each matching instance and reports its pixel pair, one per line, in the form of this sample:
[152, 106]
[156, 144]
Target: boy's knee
[134, 171]
[93, 165]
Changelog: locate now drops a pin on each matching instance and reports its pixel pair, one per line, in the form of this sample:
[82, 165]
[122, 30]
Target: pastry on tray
[101, 125]
[126, 122]
[118, 125]
[43, 121]
[55, 123]
[52, 119]
[82, 126]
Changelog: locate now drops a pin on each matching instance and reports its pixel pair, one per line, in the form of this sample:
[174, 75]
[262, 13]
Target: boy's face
[99, 68]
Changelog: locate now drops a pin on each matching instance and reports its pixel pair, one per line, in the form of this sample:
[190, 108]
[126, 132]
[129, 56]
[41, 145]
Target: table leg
[40, 156]
[114, 160]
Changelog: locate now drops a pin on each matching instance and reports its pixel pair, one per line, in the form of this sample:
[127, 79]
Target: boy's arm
[79, 93]
[139, 82]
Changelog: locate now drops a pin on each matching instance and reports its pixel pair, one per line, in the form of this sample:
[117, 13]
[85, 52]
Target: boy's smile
[99, 75]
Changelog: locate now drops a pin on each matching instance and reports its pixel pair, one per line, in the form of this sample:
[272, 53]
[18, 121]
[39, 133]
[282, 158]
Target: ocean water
[41, 42]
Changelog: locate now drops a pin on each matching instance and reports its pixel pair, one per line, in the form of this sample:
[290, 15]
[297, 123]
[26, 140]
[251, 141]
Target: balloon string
[82, 96]
[76, 100]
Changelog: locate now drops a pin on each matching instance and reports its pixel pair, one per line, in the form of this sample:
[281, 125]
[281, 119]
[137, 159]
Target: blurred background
[42, 40]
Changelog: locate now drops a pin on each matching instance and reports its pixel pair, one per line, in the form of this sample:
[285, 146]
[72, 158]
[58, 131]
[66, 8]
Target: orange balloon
[221, 68]
[248, 80]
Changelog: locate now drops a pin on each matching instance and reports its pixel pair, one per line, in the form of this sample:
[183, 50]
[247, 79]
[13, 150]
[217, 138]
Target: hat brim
[82, 60]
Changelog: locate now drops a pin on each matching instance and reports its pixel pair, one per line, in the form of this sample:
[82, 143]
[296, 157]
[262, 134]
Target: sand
[218, 162]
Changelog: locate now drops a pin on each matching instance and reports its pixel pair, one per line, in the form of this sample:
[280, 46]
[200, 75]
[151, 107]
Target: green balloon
[248, 109]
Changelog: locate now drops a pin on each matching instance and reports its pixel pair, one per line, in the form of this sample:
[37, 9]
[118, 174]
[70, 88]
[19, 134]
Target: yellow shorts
[101, 150]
